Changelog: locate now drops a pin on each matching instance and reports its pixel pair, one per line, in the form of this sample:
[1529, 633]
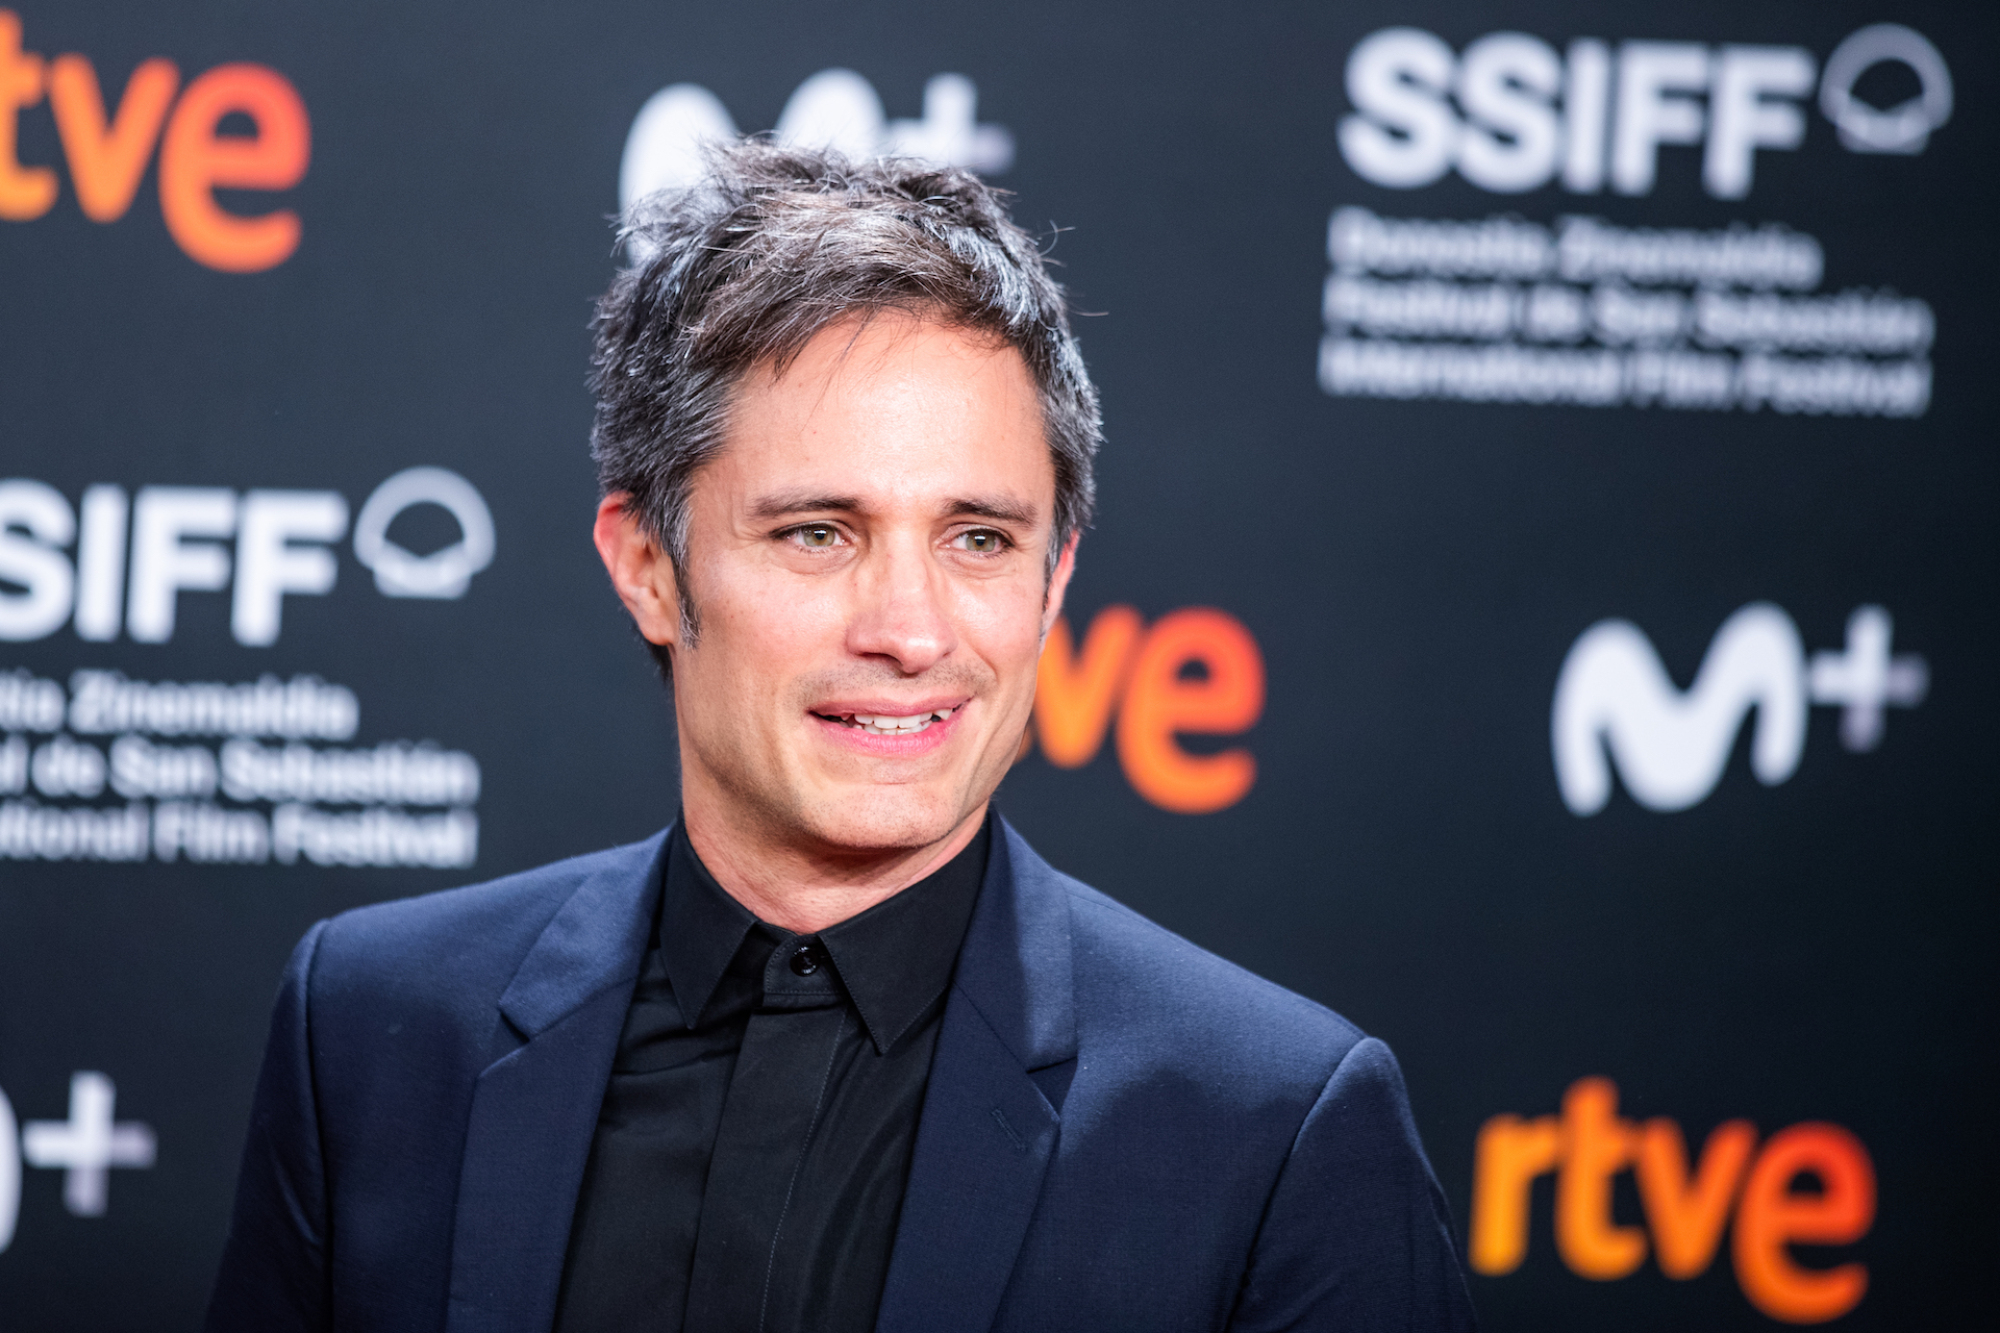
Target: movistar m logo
[835, 108]
[1615, 705]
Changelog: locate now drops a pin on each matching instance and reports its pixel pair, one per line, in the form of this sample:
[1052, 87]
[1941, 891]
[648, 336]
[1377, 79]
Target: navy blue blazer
[1121, 1130]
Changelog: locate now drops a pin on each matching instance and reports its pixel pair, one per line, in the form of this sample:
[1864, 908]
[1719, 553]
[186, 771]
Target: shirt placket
[777, 1095]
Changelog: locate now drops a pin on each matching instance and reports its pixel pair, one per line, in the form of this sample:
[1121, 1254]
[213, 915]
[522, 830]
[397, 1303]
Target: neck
[806, 887]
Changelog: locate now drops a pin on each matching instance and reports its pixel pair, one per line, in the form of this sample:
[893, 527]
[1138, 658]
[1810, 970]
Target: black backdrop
[1414, 554]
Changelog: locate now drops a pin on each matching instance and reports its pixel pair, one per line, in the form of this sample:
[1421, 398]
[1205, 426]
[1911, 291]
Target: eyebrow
[998, 509]
[802, 502]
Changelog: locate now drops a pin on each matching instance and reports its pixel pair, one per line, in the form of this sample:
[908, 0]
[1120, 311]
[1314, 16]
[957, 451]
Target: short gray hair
[772, 246]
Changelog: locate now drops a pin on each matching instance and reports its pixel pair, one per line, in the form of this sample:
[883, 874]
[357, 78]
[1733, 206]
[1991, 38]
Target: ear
[640, 571]
[1052, 604]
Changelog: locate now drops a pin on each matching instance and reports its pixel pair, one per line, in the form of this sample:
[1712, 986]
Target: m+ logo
[84, 1147]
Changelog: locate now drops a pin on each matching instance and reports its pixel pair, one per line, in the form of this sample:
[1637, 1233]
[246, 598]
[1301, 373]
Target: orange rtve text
[1686, 1206]
[107, 149]
[1141, 675]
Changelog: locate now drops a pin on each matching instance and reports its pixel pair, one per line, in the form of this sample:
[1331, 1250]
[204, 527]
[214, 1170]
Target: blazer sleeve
[274, 1267]
[1357, 1235]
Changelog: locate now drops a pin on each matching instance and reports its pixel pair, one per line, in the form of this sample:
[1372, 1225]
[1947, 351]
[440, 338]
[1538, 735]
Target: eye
[817, 536]
[980, 541]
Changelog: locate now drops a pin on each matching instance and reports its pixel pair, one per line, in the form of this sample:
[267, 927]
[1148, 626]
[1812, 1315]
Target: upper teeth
[882, 725]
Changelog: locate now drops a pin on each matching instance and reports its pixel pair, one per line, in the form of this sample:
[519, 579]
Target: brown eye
[818, 536]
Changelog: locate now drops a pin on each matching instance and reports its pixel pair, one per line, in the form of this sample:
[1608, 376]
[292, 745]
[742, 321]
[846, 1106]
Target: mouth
[884, 724]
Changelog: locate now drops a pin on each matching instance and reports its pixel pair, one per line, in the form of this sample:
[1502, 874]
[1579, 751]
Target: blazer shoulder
[457, 943]
[1158, 987]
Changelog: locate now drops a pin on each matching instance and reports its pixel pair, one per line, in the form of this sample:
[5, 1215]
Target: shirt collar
[894, 960]
[701, 927]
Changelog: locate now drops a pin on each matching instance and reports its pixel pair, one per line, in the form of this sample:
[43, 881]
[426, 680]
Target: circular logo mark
[1900, 129]
[445, 572]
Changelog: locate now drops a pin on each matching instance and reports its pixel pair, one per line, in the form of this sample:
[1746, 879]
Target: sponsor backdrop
[1539, 608]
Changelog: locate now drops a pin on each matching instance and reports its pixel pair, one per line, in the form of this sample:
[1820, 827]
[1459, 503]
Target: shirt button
[805, 962]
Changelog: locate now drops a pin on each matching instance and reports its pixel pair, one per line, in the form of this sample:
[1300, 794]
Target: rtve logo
[279, 540]
[1511, 113]
[1686, 1205]
[84, 1147]
[1195, 671]
[107, 148]
[835, 108]
[1671, 747]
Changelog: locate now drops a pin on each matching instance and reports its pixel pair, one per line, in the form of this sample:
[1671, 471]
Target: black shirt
[750, 1157]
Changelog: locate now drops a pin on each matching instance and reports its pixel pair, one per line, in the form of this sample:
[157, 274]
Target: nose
[900, 612]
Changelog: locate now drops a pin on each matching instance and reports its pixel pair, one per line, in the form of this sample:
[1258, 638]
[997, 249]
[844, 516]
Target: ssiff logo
[107, 148]
[1512, 113]
[179, 540]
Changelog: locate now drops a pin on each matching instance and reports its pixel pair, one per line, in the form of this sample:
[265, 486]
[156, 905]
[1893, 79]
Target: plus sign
[950, 133]
[1865, 677]
[87, 1144]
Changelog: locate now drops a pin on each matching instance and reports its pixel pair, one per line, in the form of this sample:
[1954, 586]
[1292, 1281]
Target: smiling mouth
[881, 724]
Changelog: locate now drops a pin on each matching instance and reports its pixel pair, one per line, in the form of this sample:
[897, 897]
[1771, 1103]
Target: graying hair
[772, 246]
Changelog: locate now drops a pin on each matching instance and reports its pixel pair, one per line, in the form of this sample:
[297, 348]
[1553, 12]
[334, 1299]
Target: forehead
[891, 407]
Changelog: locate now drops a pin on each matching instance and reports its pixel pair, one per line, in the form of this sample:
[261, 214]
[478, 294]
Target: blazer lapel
[535, 1108]
[987, 1131]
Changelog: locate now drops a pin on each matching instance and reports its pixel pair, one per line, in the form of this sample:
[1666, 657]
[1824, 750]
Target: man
[837, 1050]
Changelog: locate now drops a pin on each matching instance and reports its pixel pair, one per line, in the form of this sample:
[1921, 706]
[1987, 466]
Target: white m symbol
[1670, 747]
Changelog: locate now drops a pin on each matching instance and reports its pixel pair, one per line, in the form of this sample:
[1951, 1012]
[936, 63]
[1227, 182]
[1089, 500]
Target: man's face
[868, 561]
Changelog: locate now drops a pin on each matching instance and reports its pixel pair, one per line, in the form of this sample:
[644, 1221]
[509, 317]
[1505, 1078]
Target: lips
[889, 724]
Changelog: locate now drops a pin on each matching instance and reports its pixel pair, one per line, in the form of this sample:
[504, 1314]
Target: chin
[883, 818]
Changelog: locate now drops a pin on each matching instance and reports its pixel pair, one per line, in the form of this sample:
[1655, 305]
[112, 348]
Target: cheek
[1006, 630]
[764, 628]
